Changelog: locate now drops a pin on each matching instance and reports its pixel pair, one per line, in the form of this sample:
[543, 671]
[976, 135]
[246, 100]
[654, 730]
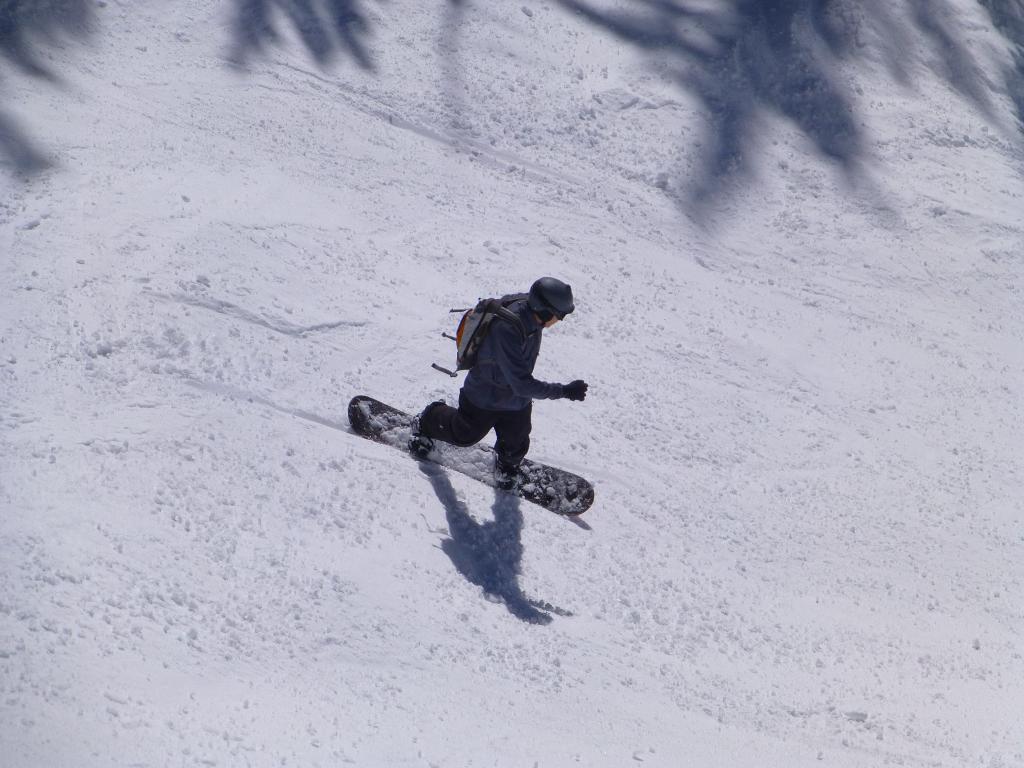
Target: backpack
[474, 327]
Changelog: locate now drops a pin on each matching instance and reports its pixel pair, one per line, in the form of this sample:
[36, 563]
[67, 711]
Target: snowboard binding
[506, 476]
[420, 445]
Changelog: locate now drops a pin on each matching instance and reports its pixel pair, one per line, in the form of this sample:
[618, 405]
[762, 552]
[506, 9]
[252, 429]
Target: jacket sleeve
[517, 370]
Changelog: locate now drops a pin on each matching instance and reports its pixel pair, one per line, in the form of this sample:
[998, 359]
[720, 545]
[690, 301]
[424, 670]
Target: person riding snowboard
[500, 388]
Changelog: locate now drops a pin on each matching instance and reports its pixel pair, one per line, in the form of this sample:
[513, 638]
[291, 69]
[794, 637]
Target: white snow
[798, 256]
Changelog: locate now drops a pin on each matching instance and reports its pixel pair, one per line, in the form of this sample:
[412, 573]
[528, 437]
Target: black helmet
[550, 296]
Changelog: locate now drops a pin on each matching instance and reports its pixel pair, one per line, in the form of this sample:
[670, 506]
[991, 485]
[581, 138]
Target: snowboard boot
[420, 445]
[505, 475]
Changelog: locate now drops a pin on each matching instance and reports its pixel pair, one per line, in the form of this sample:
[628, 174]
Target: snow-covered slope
[795, 239]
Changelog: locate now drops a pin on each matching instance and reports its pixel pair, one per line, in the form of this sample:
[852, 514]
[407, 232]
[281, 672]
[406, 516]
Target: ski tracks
[263, 320]
[378, 107]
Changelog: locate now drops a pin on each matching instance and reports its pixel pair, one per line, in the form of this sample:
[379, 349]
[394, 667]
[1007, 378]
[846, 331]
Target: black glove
[576, 390]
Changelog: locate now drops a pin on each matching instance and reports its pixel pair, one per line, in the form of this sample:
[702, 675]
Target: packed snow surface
[795, 233]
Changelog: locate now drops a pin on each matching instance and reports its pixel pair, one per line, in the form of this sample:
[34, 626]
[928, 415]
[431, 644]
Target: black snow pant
[468, 425]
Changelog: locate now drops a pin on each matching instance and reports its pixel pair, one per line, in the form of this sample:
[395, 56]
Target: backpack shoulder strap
[502, 312]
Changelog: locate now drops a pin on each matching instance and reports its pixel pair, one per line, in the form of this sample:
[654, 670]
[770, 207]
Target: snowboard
[555, 489]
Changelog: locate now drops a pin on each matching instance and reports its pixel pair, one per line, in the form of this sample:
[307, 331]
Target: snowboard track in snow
[274, 324]
[233, 393]
[374, 106]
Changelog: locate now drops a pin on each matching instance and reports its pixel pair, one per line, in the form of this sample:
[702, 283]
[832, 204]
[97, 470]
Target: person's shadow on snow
[488, 554]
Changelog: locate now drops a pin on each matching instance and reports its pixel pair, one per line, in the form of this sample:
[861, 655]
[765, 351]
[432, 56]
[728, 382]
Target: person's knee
[465, 435]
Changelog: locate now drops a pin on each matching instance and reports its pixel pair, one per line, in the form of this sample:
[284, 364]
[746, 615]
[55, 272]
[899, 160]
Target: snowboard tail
[562, 492]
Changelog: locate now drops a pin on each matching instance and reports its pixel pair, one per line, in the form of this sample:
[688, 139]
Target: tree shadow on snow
[325, 27]
[1008, 18]
[26, 28]
[745, 60]
[488, 554]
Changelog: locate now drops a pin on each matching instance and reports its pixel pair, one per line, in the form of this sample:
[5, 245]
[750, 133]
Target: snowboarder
[500, 388]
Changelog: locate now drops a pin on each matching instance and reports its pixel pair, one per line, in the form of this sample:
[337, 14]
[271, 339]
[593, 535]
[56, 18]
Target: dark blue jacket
[502, 379]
